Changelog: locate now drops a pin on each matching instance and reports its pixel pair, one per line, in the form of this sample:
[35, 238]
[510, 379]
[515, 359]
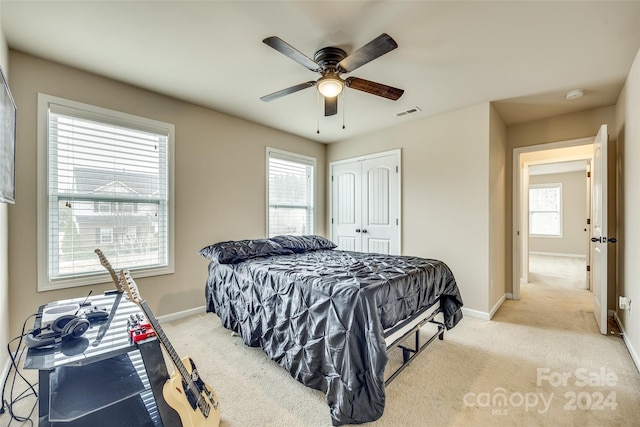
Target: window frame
[292, 157]
[44, 283]
[557, 185]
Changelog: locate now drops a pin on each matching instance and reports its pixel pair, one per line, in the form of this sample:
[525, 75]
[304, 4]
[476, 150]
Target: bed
[329, 316]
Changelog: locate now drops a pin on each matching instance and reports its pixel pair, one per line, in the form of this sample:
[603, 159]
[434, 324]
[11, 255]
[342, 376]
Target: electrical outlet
[623, 303]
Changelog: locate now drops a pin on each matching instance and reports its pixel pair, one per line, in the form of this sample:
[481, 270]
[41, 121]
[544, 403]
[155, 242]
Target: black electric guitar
[195, 402]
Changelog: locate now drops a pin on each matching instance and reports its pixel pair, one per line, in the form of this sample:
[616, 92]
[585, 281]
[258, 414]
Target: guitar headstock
[106, 264]
[103, 260]
[132, 288]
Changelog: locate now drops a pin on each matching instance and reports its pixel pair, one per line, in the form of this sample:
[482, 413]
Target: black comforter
[321, 315]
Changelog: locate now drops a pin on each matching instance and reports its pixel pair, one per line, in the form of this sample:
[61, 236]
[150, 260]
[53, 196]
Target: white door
[599, 229]
[380, 219]
[346, 216]
[365, 198]
[524, 232]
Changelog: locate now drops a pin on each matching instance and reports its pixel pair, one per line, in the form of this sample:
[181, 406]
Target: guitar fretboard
[165, 342]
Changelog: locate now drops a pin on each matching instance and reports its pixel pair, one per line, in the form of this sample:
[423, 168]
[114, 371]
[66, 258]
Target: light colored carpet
[559, 271]
[548, 334]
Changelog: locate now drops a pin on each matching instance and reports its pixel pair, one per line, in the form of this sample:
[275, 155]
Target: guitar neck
[107, 265]
[165, 341]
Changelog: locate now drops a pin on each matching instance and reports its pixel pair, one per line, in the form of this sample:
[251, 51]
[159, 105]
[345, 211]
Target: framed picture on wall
[7, 143]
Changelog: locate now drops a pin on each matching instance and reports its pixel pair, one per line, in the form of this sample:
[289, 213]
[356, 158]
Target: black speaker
[62, 328]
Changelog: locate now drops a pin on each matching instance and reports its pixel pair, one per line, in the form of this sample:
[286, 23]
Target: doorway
[559, 209]
[541, 157]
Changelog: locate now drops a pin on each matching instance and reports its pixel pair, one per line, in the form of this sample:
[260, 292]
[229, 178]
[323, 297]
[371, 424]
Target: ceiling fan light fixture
[330, 86]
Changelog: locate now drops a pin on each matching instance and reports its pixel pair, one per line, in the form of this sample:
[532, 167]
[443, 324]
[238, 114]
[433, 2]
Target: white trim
[115, 117]
[497, 306]
[396, 151]
[509, 295]
[627, 341]
[182, 314]
[476, 313]
[516, 245]
[558, 254]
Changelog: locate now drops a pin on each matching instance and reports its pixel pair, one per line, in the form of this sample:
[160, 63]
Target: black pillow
[232, 252]
[306, 243]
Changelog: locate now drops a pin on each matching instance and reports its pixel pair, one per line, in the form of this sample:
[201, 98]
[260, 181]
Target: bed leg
[441, 336]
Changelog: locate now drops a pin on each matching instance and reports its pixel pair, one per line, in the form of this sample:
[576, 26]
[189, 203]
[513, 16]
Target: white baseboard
[497, 306]
[508, 295]
[632, 352]
[558, 254]
[476, 313]
[182, 314]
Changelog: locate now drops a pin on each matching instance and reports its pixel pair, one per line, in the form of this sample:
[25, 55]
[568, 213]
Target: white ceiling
[451, 54]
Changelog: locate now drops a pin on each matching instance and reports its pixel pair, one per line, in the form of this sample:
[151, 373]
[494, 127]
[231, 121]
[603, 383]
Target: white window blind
[545, 216]
[107, 188]
[291, 193]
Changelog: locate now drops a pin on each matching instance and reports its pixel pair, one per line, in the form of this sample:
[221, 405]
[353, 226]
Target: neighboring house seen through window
[291, 193]
[107, 186]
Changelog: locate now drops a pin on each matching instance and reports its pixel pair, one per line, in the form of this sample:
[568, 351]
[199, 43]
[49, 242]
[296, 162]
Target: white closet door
[365, 197]
[380, 219]
[346, 189]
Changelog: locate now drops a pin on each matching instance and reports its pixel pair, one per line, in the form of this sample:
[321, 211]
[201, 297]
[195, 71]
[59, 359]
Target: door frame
[398, 153]
[520, 218]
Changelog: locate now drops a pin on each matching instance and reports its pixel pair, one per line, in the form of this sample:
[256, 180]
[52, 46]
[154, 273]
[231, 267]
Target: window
[545, 216]
[290, 193]
[106, 235]
[106, 183]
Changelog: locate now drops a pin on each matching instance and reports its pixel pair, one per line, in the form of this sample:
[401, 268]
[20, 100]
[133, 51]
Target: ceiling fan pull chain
[344, 107]
[318, 112]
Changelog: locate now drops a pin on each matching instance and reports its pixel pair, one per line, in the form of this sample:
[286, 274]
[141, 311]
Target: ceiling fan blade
[286, 49]
[374, 88]
[372, 50]
[287, 91]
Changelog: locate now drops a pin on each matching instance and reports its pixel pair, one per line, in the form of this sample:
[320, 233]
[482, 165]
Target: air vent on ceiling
[409, 111]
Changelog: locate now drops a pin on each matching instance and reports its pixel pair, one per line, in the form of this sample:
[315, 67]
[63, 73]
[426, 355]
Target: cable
[15, 358]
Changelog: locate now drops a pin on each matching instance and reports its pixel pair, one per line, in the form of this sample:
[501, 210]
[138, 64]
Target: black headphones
[67, 326]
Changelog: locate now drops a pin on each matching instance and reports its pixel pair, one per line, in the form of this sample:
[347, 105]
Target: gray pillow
[232, 252]
[306, 243]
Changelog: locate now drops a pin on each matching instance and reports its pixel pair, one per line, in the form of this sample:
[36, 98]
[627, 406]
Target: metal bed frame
[396, 335]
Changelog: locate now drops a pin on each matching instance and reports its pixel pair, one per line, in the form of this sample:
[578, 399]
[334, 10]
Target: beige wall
[445, 187]
[584, 124]
[4, 241]
[219, 181]
[497, 210]
[628, 132]
[574, 215]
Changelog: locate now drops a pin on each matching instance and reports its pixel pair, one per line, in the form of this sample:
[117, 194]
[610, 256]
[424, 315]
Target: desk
[102, 378]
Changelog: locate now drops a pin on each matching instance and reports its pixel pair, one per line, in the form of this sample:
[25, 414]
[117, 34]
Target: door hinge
[589, 174]
[396, 169]
[588, 268]
[331, 220]
[588, 220]
[331, 178]
[397, 221]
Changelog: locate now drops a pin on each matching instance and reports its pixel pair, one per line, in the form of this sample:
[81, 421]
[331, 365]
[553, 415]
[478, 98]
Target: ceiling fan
[331, 63]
